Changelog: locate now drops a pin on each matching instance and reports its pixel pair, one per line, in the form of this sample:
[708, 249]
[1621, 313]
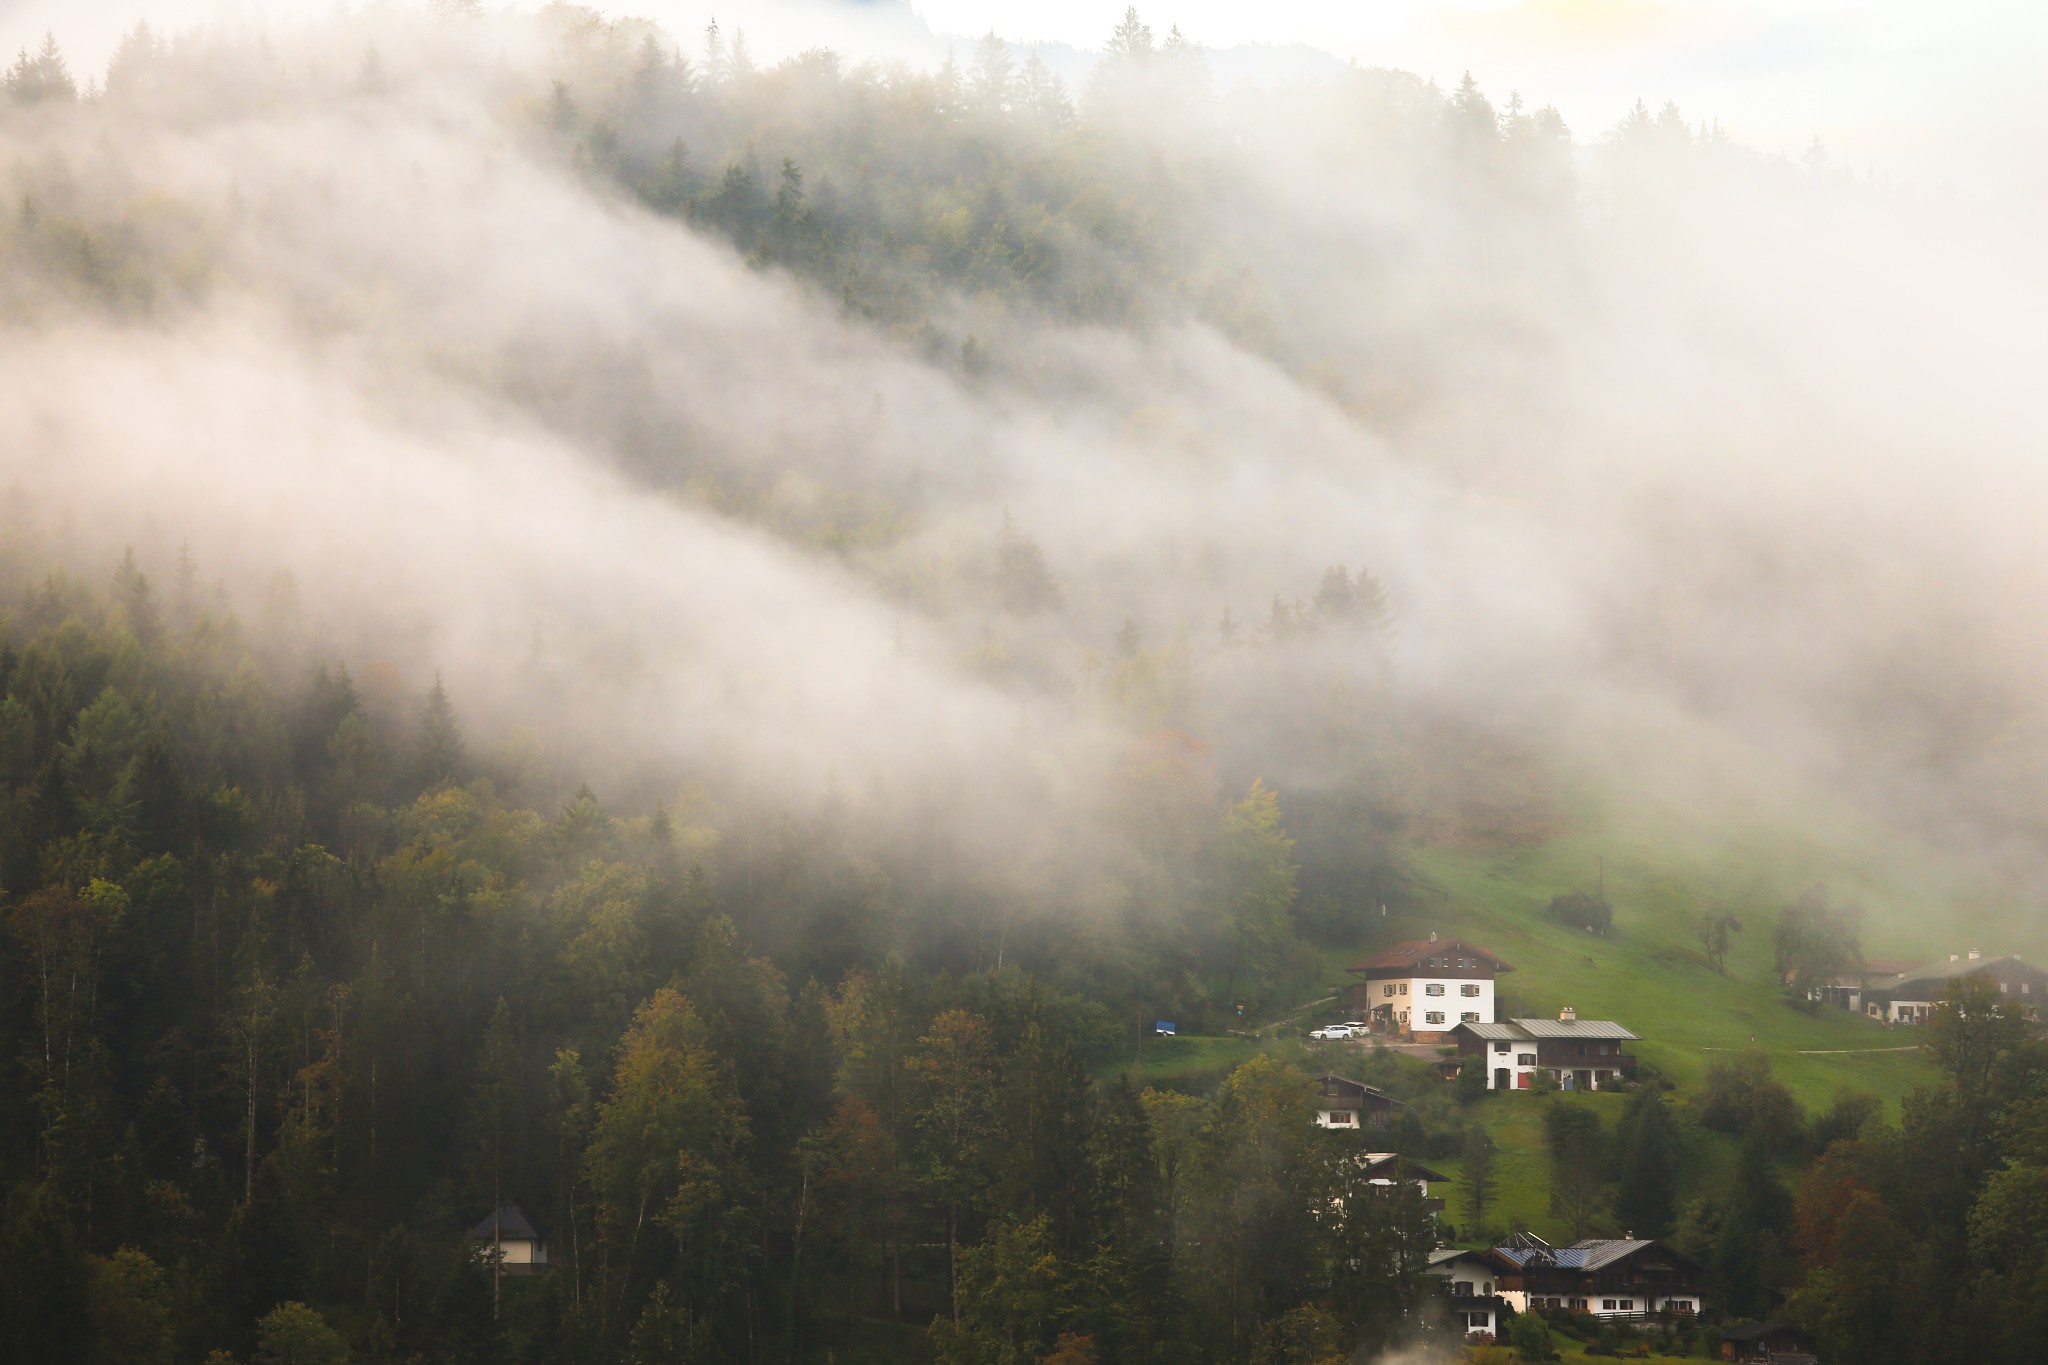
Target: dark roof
[1371, 1090]
[1417, 949]
[1943, 971]
[511, 1227]
[1414, 1170]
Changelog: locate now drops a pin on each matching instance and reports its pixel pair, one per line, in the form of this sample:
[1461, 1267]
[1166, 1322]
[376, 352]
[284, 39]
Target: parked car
[1331, 1033]
[1358, 1027]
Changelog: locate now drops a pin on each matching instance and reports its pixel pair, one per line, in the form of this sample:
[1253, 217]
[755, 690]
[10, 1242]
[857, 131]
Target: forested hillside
[700, 645]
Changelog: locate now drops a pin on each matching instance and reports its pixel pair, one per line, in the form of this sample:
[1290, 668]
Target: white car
[1331, 1034]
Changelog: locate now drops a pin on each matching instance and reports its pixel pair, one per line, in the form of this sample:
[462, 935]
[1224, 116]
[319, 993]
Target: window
[1607, 1305]
[1434, 1016]
[1579, 1304]
[1681, 1305]
[1488, 1289]
[1525, 1059]
[1404, 988]
[1387, 989]
[1470, 1017]
[1500, 1047]
[1461, 1289]
[1433, 988]
[1478, 1322]
[1627, 1305]
[1468, 990]
[1342, 1118]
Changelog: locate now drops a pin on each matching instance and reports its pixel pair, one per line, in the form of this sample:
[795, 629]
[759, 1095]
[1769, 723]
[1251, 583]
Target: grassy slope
[1713, 822]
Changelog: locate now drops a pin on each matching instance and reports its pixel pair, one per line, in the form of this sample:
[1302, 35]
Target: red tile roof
[1415, 950]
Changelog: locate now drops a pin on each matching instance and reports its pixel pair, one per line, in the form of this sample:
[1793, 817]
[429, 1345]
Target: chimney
[1974, 954]
[1568, 1015]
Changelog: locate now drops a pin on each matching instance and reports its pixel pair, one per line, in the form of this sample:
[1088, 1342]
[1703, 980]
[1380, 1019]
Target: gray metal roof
[1940, 971]
[1592, 1254]
[1522, 1030]
[1573, 1028]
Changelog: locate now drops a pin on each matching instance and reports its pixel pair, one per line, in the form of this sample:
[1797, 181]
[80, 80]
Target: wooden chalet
[1767, 1343]
[1603, 1277]
[1345, 1103]
[1911, 995]
[1578, 1054]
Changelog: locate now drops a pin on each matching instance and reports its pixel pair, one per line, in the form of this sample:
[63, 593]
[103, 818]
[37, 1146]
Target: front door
[1500, 1078]
[1584, 1080]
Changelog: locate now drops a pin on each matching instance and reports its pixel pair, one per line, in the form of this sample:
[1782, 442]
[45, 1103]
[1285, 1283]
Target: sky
[1927, 93]
[1905, 86]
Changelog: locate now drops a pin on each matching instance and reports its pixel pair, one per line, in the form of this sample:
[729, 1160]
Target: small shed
[520, 1249]
[1770, 1343]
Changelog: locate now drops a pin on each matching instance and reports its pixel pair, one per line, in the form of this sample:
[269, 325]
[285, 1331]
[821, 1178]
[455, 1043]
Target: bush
[1472, 1079]
[1740, 1096]
[1529, 1336]
[1582, 910]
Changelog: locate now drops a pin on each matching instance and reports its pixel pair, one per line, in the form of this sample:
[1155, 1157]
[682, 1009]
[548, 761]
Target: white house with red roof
[1423, 989]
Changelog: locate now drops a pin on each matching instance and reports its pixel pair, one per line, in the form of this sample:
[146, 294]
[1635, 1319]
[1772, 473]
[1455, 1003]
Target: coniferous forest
[705, 647]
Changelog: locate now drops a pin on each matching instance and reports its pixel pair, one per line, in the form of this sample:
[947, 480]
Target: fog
[1697, 433]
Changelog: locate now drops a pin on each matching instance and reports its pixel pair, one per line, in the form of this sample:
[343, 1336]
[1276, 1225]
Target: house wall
[1605, 1303]
[1517, 1058]
[1450, 995]
[522, 1253]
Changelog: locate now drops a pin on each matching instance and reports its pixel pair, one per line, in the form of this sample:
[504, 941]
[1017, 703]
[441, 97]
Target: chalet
[1605, 1277]
[1390, 1168]
[1911, 995]
[1577, 1054]
[1769, 1343]
[1474, 1306]
[1846, 991]
[1343, 1103]
[1424, 988]
[520, 1249]
[1386, 1172]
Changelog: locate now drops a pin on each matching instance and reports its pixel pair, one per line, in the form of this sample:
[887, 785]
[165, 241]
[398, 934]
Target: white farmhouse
[1425, 988]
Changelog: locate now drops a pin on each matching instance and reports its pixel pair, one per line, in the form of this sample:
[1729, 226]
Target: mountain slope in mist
[699, 645]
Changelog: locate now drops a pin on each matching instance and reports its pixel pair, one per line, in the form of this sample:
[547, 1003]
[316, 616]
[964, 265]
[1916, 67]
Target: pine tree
[1646, 1152]
[441, 757]
[1478, 1162]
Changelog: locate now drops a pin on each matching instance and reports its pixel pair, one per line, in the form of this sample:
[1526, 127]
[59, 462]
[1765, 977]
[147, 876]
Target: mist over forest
[700, 641]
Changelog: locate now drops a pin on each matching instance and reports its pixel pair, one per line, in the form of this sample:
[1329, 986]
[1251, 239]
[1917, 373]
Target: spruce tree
[1646, 1145]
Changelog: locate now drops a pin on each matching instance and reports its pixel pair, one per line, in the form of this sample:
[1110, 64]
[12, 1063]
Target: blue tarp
[1164, 1027]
